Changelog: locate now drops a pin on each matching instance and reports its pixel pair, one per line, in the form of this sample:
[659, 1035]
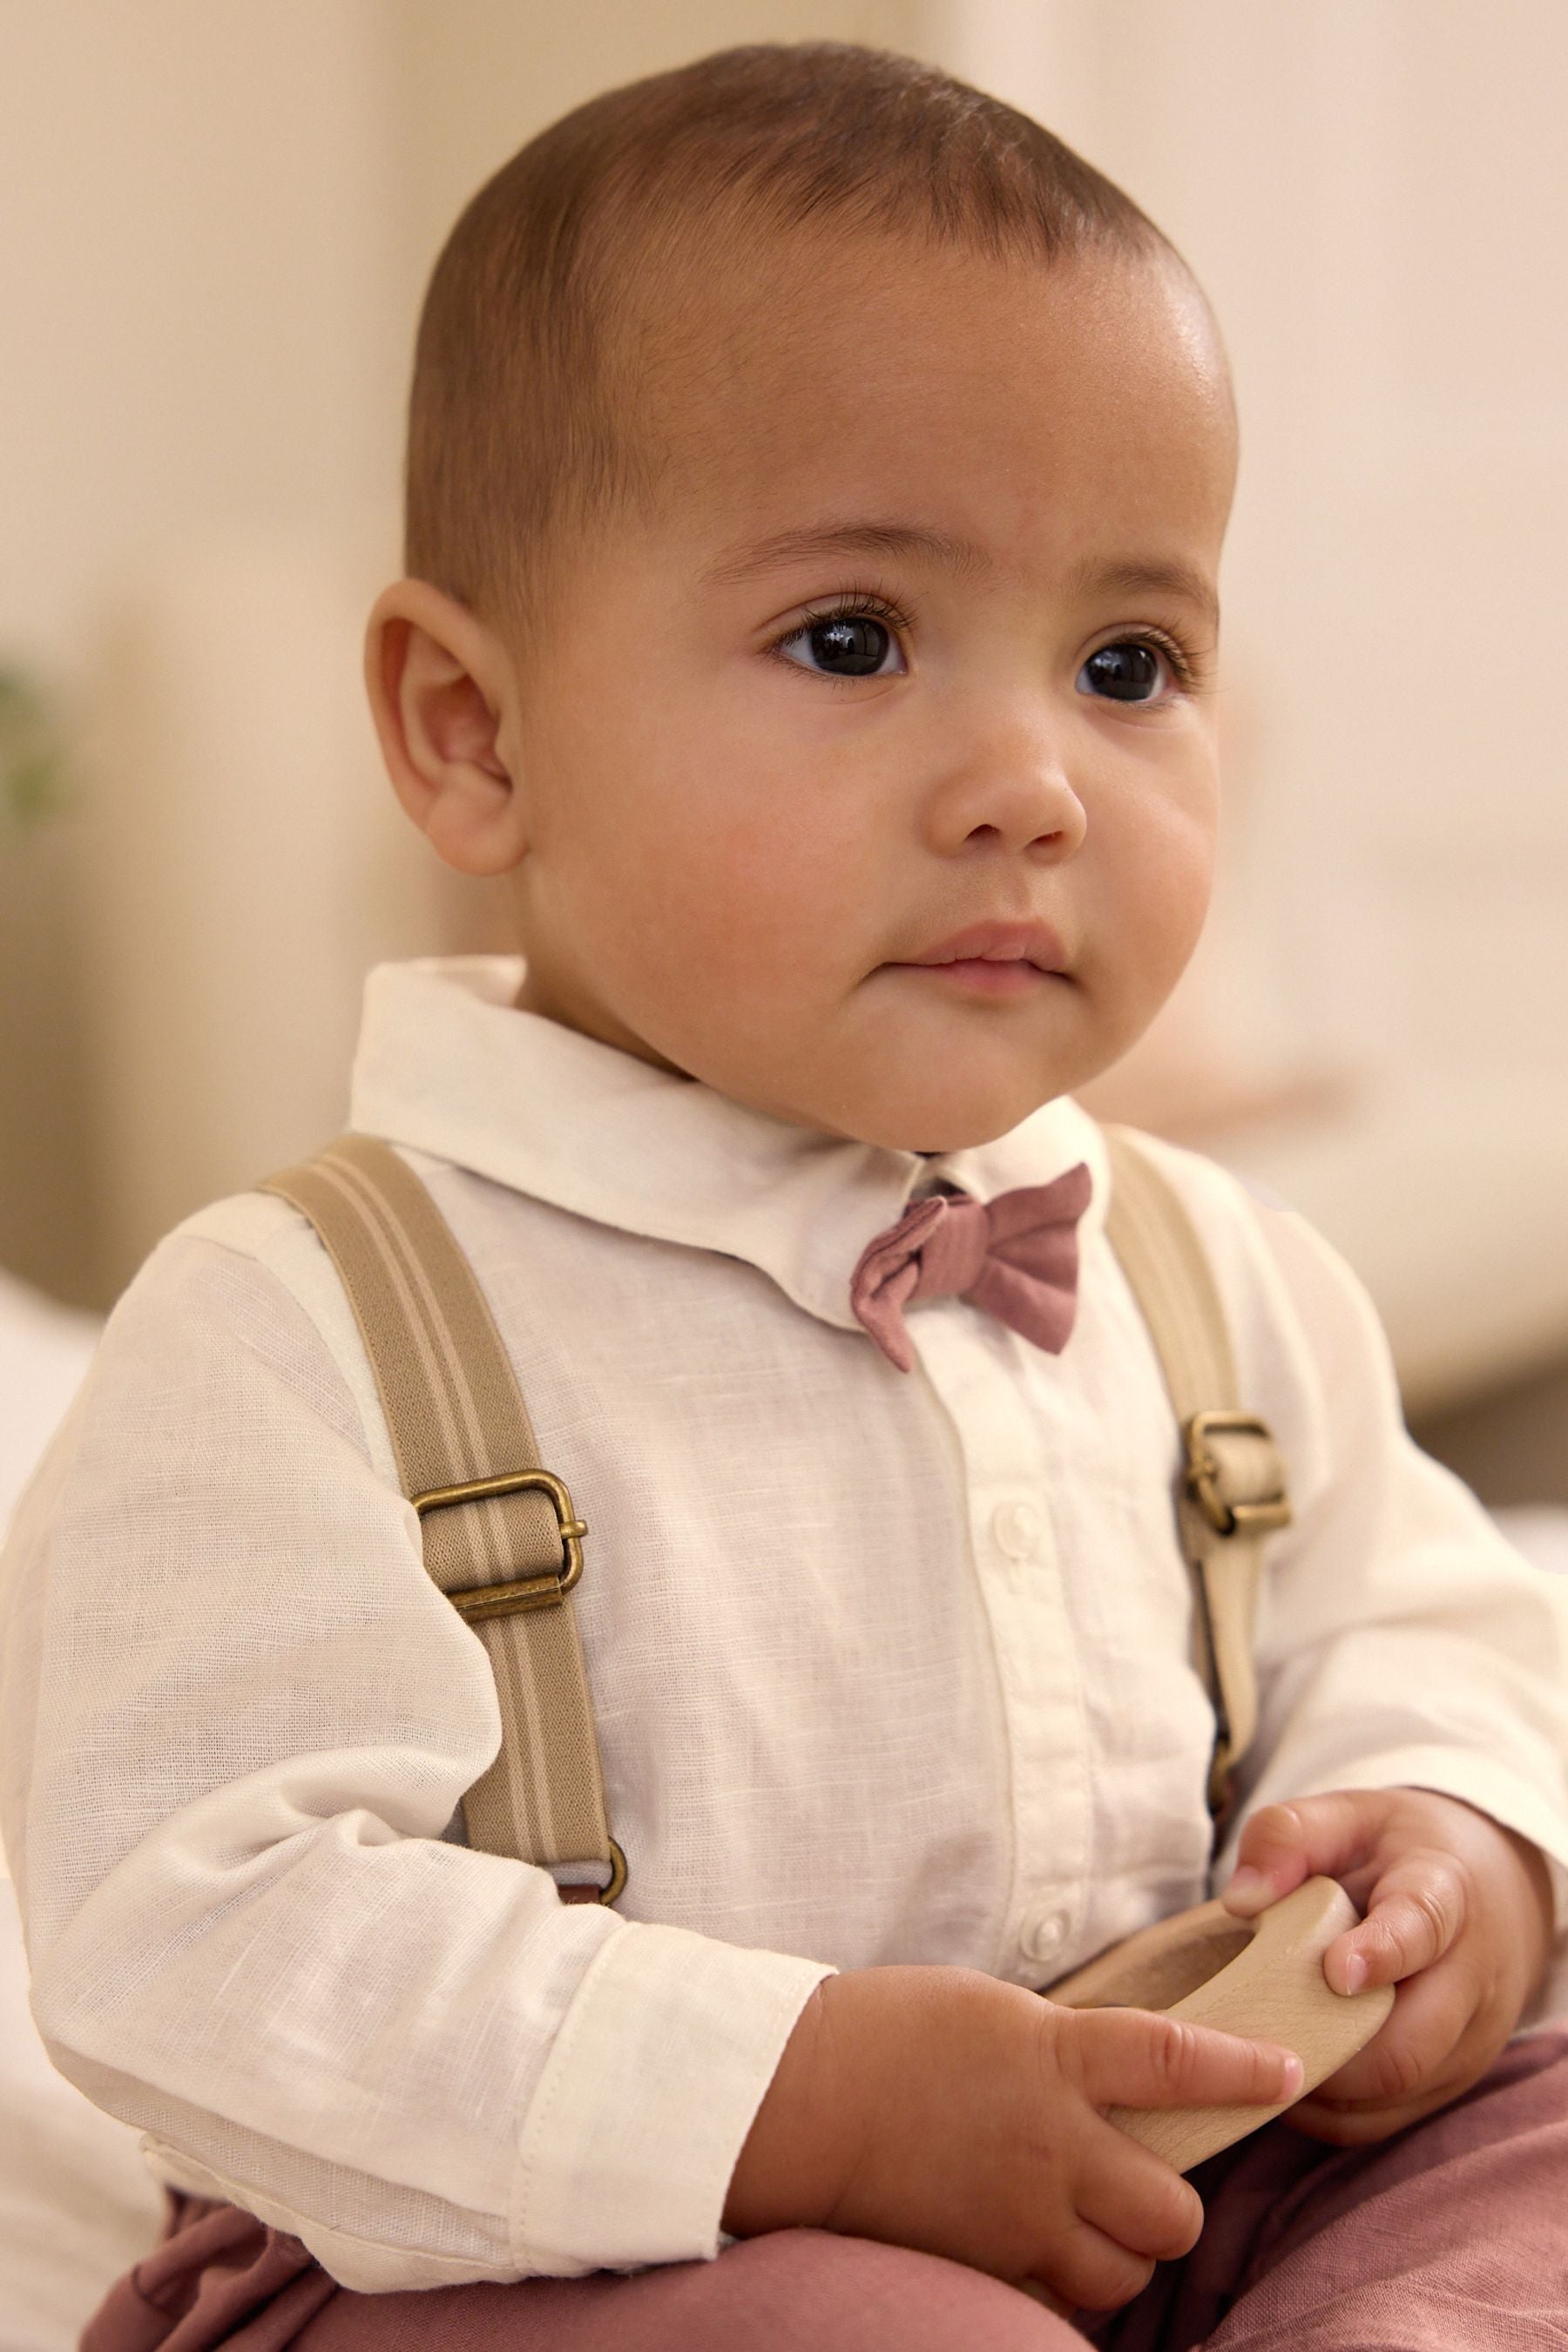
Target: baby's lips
[1033, 942]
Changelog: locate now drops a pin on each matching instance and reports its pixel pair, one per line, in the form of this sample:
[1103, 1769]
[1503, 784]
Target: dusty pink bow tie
[1016, 1255]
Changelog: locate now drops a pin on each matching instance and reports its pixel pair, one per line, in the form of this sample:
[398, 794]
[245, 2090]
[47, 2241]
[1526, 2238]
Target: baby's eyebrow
[1129, 576]
[1167, 576]
[753, 557]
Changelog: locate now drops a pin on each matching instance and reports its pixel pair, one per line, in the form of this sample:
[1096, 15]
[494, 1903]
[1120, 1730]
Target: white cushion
[77, 2204]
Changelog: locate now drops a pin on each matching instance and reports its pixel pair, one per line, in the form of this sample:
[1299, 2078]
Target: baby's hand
[1458, 1916]
[935, 2107]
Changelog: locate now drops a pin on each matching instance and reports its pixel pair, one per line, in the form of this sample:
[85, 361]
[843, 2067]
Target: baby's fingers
[1415, 1911]
[1085, 2270]
[1139, 2058]
[1283, 1844]
[1136, 2198]
[1421, 2048]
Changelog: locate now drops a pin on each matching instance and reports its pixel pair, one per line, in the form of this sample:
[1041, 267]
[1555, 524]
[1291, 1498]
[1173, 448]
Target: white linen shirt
[885, 1667]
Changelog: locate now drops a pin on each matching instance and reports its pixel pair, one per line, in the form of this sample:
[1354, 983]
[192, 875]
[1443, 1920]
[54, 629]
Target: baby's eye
[1128, 671]
[843, 644]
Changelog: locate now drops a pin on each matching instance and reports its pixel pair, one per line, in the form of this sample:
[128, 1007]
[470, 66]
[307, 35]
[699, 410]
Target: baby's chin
[899, 1085]
[926, 1111]
[937, 1127]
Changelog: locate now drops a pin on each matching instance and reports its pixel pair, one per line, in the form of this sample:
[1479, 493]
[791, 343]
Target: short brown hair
[523, 413]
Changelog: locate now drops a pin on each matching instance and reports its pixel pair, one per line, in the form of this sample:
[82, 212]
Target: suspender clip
[1225, 1490]
[546, 1591]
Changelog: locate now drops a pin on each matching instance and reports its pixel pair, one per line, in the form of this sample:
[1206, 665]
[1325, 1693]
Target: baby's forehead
[861, 370]
[654, 280]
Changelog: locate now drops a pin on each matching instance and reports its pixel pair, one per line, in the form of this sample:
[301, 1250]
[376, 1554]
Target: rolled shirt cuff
[645, 2101]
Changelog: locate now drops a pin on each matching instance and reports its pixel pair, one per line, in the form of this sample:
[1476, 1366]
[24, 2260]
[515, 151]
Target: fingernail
[1248, 1885]
[1355, 1973]
[1295, 2075]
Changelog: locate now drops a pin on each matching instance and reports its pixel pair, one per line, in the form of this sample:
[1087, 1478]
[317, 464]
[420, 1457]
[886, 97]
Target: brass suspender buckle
[545, 1590]
[1205, 1476]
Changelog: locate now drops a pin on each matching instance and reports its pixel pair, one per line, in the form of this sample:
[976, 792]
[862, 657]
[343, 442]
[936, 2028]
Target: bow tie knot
[1015, 1256]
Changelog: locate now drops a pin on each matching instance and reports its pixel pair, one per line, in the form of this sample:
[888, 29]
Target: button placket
[1018, 1528]
[1020, 1584]
[1042, 1932]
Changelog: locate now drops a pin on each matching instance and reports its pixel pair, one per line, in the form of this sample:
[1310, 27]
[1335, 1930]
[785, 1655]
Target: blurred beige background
[216, 221]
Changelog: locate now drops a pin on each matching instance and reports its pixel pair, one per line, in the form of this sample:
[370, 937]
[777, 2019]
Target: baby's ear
[440, 687]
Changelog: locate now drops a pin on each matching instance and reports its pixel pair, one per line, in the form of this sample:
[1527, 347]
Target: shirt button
[1016, 1528]
[1043, 1934]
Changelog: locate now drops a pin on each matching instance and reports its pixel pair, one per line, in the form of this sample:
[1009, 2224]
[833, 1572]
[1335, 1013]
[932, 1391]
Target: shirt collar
[447, 1064]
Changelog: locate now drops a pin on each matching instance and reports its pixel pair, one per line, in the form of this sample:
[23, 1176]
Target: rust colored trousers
[1452, 2237]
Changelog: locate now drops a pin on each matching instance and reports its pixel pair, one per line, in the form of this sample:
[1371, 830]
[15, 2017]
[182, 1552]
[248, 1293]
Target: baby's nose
[1017, 804]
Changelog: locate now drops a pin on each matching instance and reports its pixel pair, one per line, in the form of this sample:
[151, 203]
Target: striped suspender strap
[500, 1537]
[1232, 1493]
[503, 1543]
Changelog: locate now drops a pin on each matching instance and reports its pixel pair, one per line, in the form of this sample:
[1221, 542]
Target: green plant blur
[32, 754]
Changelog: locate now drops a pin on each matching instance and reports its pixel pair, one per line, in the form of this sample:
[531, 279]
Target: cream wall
[1373, 193]
[194, 284]
[200, 349]
[216, 222]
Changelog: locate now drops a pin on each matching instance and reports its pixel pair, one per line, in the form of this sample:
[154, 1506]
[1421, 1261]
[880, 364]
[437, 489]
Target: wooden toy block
[1263, 1978]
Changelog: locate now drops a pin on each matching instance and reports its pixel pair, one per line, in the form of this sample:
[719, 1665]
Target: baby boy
[817, 480]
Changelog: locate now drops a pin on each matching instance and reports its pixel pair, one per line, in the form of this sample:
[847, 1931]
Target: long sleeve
[1401, 1639]
[238, 1719]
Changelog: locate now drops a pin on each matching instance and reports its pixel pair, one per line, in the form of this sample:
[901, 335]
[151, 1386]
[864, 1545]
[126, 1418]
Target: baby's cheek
[715, 951]
[1161, 875]
[773, 905]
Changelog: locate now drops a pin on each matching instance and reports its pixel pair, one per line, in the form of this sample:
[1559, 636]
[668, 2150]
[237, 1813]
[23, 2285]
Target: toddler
[817, 483]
